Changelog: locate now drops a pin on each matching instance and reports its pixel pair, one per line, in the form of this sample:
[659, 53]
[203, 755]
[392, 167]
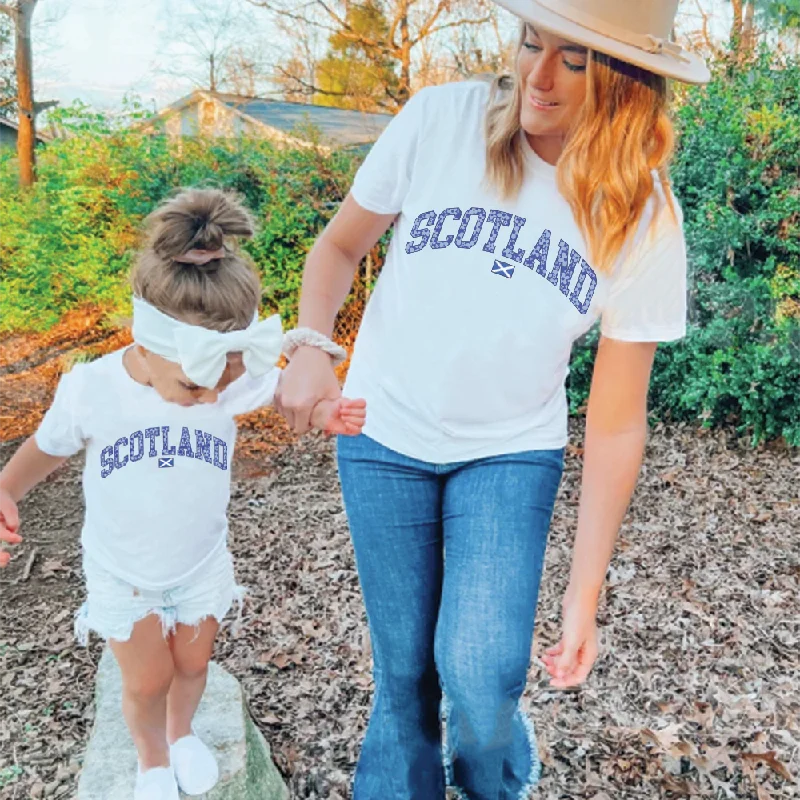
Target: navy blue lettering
[202, 445]
[566, 261]
[106, 461]
[185, 447]
[151, 434]
[219, 444]
[500, 219]
[137, 437]
[166, 449]
[121, 442]
[538, 256]
[436, 242]
[508, 250]
[462, 231]
[423, 234]
[586, 272]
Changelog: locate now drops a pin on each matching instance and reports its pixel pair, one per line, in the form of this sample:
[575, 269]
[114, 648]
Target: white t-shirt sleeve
[383, 179]
[61, 432]
[247, 393]
[647, 299]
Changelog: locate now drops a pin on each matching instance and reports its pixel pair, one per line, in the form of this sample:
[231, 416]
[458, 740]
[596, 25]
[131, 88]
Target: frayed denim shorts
[113, 606]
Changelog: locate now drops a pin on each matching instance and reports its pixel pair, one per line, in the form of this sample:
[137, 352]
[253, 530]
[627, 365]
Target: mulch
[696, 693]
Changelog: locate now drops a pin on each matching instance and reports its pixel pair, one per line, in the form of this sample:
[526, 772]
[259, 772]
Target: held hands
[342, 416]
[570, 661]
[9, 525]
[309, 396]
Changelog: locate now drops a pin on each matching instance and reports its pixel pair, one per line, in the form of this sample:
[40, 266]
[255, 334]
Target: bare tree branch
[294, 16]
[455, 24]
[710, 44]
[426, 29]
[215, 46]
[395, 23]
[411, 24]
[342, 23]
[312, 89]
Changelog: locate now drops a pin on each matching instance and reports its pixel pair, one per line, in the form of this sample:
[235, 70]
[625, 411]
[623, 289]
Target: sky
[101, 50]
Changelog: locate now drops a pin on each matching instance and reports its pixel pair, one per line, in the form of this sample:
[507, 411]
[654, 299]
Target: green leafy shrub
[70, 240]
[737, 176]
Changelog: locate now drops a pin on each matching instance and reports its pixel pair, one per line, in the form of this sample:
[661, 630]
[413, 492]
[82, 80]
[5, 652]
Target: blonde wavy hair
[622, 135]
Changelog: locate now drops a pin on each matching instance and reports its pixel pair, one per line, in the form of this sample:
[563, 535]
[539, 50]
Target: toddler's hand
[341, 416]
[9, 524]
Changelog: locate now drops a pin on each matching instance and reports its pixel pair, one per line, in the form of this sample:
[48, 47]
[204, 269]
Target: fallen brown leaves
[696, 692]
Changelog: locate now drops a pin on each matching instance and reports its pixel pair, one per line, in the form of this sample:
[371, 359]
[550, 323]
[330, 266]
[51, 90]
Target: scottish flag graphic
[166, 462]
[501, 268]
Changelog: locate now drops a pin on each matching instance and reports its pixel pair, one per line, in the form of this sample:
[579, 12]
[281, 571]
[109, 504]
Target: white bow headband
[202, 353]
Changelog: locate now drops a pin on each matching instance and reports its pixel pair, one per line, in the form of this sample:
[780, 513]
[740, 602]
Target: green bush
[70, 240]
[737, 176]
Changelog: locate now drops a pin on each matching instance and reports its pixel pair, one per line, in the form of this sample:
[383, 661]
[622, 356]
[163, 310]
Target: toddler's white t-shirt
[465, 344]
[157, 475]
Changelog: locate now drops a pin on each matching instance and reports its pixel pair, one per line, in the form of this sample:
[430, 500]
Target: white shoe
[157, 783]
[196, 769]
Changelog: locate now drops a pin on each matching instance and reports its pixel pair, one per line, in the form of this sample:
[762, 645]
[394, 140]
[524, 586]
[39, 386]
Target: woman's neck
[548, 148]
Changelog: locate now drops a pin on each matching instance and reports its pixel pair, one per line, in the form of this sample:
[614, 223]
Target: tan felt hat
[634, 31]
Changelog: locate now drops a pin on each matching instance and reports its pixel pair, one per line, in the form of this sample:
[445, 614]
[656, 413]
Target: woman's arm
[333, 261]
[327, 279]
[616, 432]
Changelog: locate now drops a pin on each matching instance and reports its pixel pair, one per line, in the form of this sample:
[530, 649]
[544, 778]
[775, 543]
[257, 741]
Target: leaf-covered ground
[697, 692]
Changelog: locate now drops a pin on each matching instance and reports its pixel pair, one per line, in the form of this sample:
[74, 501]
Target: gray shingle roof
[339, 126]
[12, 127]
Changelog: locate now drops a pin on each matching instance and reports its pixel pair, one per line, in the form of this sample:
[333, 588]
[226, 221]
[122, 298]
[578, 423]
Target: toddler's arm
[27, 467]
[342, 416]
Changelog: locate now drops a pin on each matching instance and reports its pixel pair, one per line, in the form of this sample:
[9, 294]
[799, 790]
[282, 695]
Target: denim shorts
[113, 606]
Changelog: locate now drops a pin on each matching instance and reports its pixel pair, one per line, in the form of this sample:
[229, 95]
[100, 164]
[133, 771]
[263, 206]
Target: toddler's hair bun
[197, 219]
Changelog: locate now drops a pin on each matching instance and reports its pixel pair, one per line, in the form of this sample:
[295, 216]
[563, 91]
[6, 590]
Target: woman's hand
[307, 379]
[571, 660]
[9, 524]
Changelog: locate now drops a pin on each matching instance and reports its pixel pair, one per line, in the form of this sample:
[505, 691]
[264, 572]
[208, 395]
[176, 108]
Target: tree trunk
[212, 77]
[26, 137]
[736, 26]
[748, 29]
[404, 90]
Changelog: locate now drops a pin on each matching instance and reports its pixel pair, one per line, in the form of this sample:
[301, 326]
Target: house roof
[343, 127]
[14, 126]
[339, 126]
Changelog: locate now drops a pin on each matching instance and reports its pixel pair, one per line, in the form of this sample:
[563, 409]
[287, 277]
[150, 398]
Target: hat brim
[694, 70]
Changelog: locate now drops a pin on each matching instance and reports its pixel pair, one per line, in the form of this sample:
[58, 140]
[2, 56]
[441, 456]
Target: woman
[523, 213]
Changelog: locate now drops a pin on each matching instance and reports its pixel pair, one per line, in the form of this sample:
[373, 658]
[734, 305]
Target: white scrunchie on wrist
[308, 337]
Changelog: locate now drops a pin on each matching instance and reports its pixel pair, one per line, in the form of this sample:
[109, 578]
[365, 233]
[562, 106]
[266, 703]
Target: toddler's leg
[146, 664]
[195, 767]
[192, 649]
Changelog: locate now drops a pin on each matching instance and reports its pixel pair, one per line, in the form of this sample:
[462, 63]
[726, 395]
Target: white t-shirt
[157, 475]
[465, 344]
